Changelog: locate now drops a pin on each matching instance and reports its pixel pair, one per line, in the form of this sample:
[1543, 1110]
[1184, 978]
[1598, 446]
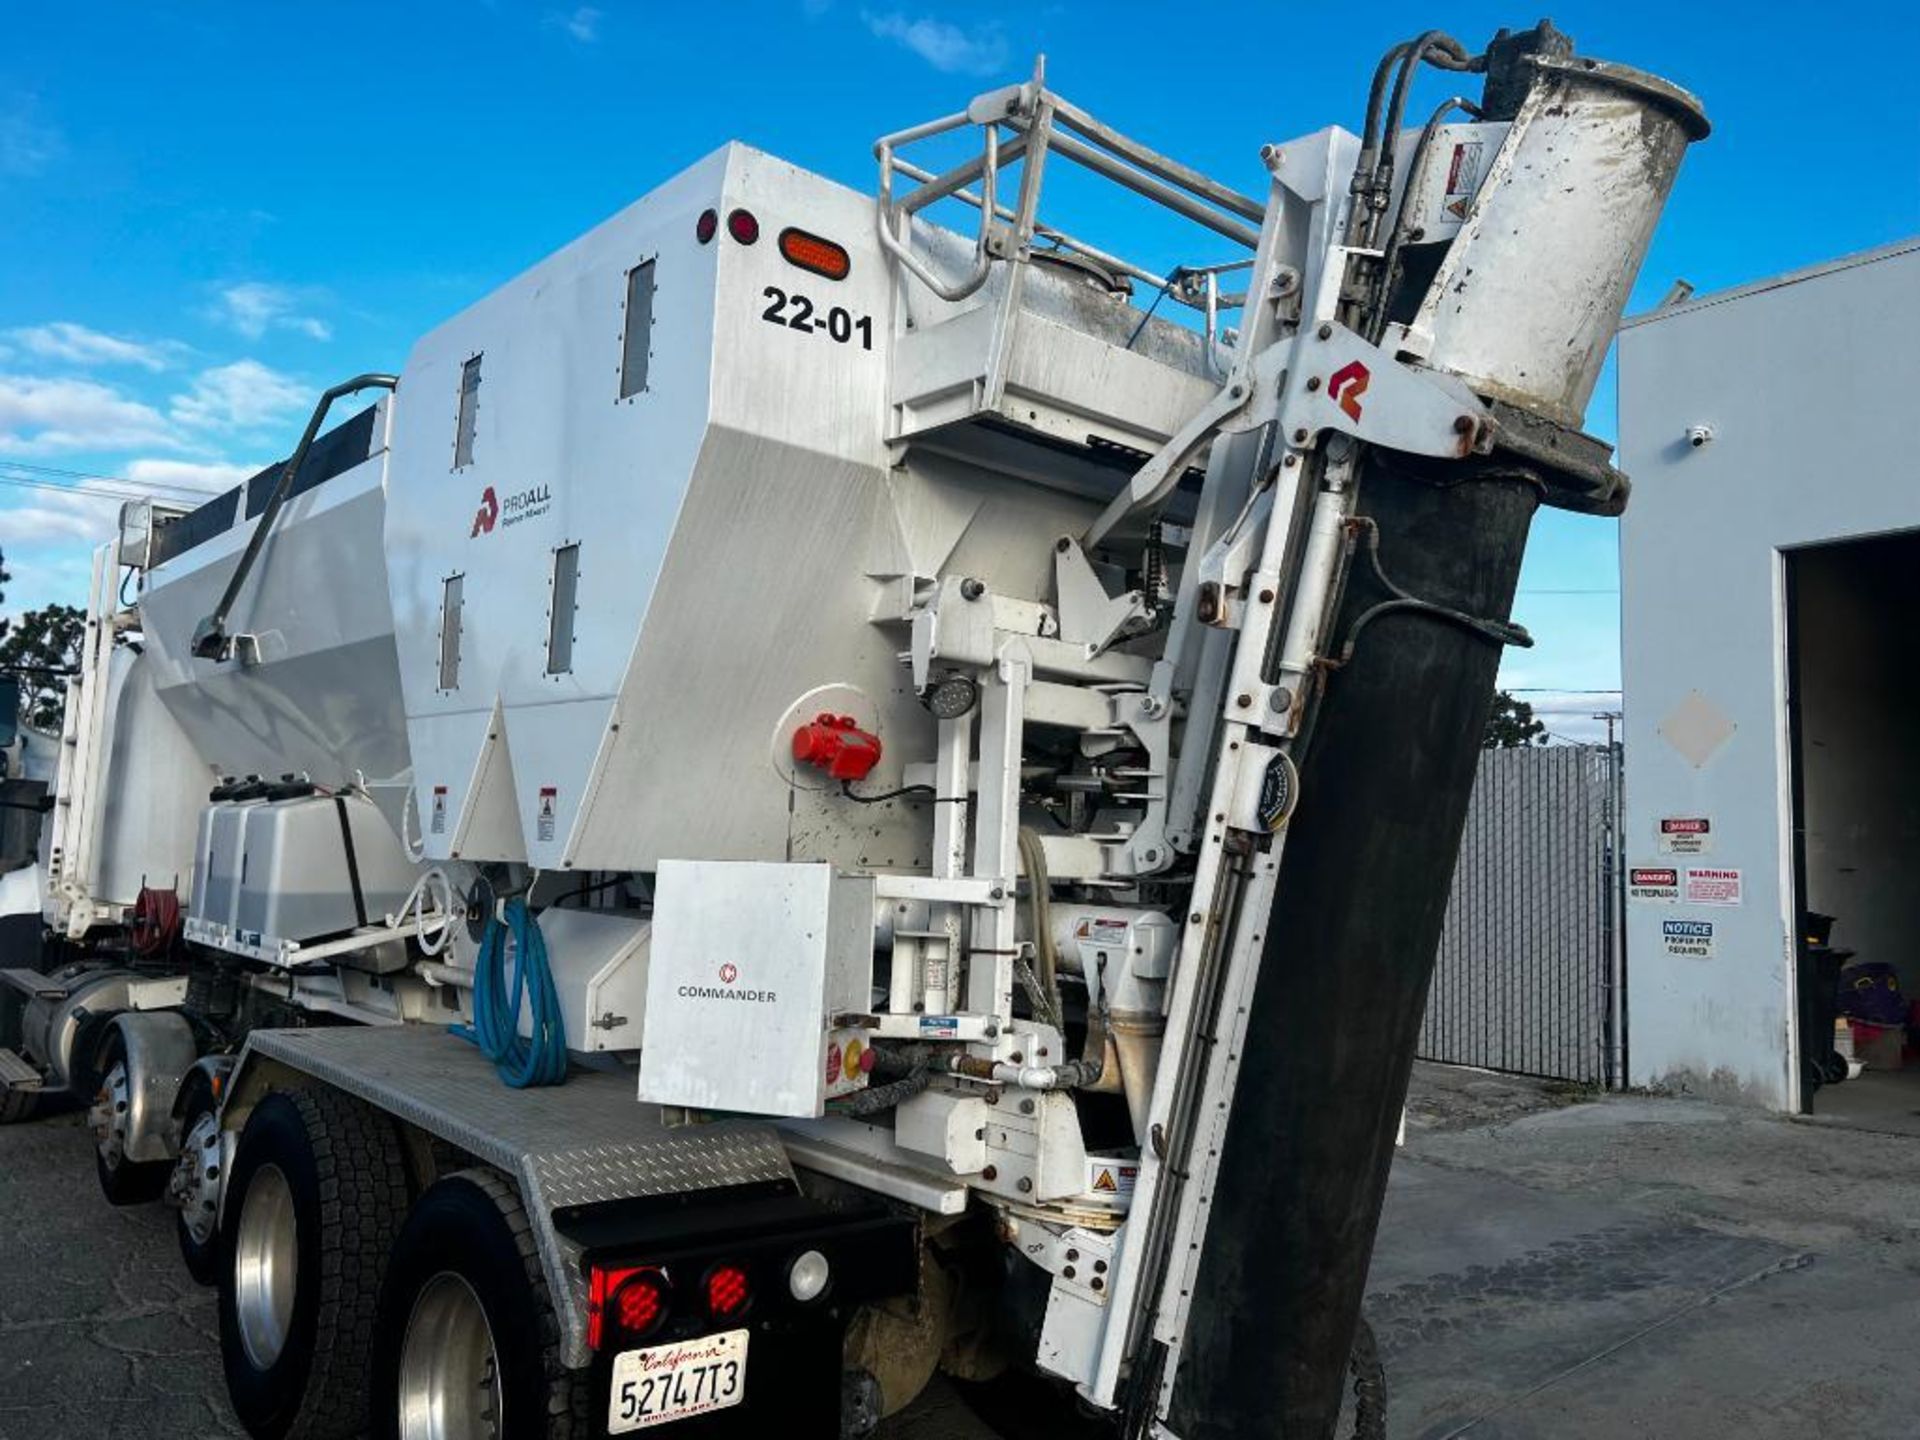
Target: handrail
[1038, 119]
[210, 640]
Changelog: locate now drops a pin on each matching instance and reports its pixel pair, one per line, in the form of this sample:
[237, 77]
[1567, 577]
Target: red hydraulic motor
[835, 744]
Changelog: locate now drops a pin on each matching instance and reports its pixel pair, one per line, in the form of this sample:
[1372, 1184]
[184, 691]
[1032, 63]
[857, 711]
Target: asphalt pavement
[1552, 1266]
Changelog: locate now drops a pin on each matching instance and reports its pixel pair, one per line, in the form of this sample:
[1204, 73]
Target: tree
[42, 647]
[1511, 726]
[4, 578]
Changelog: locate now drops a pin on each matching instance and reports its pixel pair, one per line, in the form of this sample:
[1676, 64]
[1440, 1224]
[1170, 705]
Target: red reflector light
[728, 1293]
[810, 252]
[640, 1303]
[743, 227]
[634, 1299]
[704, 227]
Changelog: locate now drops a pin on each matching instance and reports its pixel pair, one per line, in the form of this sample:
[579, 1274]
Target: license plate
[665, 1383]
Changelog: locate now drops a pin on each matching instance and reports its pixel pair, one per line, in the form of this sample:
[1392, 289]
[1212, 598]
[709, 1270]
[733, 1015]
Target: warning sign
[437, 824]
[1112, 1179]
[1692, 939]
[1463, 177]
[1712, 887]
[543, 822]
[1656, 883]
[1686, 835]
[1101, 939]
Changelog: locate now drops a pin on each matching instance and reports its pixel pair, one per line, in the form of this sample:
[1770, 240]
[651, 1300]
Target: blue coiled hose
[522, 1063]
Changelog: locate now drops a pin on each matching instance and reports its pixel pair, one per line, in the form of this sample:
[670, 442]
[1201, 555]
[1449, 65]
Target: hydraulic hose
[1033, 860]
[497, 1002]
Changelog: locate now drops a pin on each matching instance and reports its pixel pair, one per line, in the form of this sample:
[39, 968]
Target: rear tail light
[743, 227]
[641, 1303]
[810, 252]
[704, 227]
[728, 1292]
[634, 1299]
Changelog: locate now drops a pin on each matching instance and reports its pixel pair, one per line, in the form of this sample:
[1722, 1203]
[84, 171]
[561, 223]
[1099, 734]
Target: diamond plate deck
[574, 1144]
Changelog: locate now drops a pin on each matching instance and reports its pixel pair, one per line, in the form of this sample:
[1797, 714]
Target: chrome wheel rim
[449, 1368]
[108, 1117]
[195, 1183]
[266, 1257]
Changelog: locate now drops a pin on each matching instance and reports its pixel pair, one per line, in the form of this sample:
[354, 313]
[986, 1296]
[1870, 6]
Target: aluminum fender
[218, 1070]
[160, 1052]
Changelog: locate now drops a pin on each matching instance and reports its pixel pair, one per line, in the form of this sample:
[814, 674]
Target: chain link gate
[1530, 976]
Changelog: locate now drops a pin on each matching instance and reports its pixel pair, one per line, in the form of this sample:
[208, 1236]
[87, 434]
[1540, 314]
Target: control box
[752, 966]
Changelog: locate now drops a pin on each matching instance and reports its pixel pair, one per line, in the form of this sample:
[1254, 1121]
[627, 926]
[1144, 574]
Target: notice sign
[1712, 887]
[1653, 882]
[1692, 939]
[1686, 835]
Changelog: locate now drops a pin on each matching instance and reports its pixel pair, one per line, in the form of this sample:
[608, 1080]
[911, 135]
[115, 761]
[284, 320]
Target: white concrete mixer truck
[812, 795]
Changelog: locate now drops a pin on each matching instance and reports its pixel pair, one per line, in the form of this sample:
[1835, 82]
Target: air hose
[497, 1002]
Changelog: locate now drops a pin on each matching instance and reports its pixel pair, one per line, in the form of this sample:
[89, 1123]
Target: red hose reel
[155, 923]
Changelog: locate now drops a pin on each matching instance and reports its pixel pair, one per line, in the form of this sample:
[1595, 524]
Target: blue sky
[208, 212]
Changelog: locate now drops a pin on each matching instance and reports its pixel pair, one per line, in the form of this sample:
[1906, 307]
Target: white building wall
[1809, 384]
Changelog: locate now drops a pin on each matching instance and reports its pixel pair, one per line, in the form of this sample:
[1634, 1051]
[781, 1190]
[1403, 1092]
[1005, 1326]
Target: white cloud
[54, 517]
[64, 340]
[943, 45]
[27, 146]
[1575, 716]
[254, 307]
[211, 476]
[582, 24]
[245, 395]
[39, 415]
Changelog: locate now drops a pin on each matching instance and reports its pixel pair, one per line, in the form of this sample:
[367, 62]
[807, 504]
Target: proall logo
[511, 509]
[1347, 384]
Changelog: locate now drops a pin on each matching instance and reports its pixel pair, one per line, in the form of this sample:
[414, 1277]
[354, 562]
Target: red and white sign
[1657, 883]
[1686, 835]
[1712, 887]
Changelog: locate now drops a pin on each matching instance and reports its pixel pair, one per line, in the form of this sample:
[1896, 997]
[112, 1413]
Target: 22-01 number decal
[797, 312]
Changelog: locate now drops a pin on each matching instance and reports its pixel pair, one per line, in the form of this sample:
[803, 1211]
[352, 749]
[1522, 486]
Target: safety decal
[1712, 887]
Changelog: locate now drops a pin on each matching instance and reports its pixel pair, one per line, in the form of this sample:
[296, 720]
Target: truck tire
[467, 1341]
[197, 1180]
[122, 1181]
[317, 1191]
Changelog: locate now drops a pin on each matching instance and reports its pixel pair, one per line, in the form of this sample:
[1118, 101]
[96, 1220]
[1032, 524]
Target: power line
[30, 470]
[130, 491]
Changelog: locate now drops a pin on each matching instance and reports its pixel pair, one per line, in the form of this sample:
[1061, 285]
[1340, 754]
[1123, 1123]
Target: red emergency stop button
[835, 744]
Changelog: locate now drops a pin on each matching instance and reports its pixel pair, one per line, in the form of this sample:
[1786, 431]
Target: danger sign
[438, 824]
[1686, 835]
[1660, 884]
[543, 822]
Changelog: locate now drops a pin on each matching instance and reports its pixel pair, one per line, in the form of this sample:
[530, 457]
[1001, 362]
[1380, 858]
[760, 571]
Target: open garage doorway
[1853, 717]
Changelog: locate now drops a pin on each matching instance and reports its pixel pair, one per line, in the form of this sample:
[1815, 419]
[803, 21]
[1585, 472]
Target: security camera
[1698, 435]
